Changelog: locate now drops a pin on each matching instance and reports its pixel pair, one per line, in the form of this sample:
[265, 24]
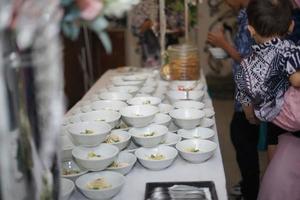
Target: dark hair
[270, 17]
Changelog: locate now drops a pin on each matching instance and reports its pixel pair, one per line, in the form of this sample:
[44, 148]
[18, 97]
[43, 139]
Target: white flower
[118, 7]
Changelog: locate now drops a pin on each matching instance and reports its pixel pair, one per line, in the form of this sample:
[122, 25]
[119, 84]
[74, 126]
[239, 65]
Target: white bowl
[174, 96]
[127, 89]
[186, 85]
[75, 111]
[70, 170]
[218, 53]
[107, 153]
[67, 147]
[95, 97]
[99, 91]
[144, 156]
[144, 101]
[189, 104]
[138, 116]
[209, 112]
[150, 83]
[136, 77]
[84, 102]
[74, 119]
[162, 119]
[86, 108]
[159, 95]
[163, 83]
[67, 187]
[115, 180]
[143, 137]
[207, 123]
[206, 150]
[127, 83]
[107, 116]
[108, 105]
[187, 118]
[197, 133]
[119, 96]
[142, 95]
[165, 108]
[89, 133]
[123, 138]
[125, 163]
[147, 89]
[161, 89]
[171, 139]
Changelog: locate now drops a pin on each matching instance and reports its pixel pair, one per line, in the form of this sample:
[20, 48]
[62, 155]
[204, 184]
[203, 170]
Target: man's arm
[218, 39]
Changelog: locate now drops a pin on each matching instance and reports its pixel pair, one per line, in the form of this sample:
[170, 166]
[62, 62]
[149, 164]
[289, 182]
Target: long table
[180, 170]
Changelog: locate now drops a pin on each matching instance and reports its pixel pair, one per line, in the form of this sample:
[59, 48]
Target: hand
[217, 39]
[250, 116]
[253, 120]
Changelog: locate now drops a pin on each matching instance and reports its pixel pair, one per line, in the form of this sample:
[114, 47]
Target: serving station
[165, 131]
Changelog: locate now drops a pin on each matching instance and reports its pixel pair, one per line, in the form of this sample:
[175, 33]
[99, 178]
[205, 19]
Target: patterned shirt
[243, 43]
[263, 77]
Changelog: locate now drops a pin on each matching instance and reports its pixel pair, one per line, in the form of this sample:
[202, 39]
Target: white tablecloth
[134, 189]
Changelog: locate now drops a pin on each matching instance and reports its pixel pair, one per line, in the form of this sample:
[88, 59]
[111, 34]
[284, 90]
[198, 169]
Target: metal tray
[160, 191]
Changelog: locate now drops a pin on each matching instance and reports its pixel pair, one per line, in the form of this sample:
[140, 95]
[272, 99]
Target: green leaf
[104, 38]
[99, 24]
[70, 30]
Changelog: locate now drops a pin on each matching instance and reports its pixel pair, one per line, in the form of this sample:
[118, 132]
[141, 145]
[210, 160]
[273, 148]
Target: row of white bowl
[117, 180]
[192, 150]
[109, 154]
[136, 116]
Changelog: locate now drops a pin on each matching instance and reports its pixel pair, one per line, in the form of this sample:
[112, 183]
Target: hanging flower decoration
[178, 7]
[91, 13]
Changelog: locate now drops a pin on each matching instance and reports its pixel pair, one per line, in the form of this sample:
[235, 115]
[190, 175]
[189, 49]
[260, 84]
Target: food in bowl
[124, 163]
[196, 150]
[87, 132]
[98, 184]
[116, 164]
[144, 100]
[118, 138]
[71, 170]
[112, 139]
[156, 157]
[192, 149]
[149, 134]
[109, 186]
[67, 172]
[93, 155]
[95, 158]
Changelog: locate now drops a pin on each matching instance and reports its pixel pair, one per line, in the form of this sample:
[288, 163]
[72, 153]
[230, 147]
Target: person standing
[244, 135]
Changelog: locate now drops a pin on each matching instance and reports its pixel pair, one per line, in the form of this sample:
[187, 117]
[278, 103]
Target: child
[264, 78]
[244, 135]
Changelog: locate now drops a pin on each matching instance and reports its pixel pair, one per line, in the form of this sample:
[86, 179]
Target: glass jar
[184, 62]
